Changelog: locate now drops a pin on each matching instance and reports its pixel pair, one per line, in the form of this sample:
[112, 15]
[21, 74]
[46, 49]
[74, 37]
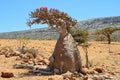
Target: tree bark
[66, 56]
[86, 56]
[109, 39]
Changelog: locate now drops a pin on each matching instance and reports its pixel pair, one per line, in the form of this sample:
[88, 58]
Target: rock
[106, 77]
[18, 58]
[80, 75]
[118, 53]
[83, 71]
[39, 57]
[75, 74]
[73, 78]
[51, 79]
[25, 60]
[99, 70]
[35, 61]
[7, 74]
[85, 78]
[22, 62]
[17, 53]
[7, 55]
[46, 61]
[40, 63]
[97, 77]
[29, 55]
[56, 71]
[87, 71]
[68, 74]
[1, 53]
[21, 55]
[30, 62]
[51, 59]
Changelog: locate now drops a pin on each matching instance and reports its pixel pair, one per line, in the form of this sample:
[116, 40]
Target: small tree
[66, 56]
[81, 37]
[107, 32]
[22, 42]
[101, 38]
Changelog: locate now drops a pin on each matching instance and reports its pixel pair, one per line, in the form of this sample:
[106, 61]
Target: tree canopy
[80, 36]
[107, 32]
[53, 17]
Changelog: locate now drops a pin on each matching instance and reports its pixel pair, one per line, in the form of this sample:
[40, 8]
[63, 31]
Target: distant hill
[40, 33]
[45, 33]
[93, 24]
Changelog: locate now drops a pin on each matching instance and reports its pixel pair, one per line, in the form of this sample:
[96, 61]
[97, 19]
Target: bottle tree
[66, 56]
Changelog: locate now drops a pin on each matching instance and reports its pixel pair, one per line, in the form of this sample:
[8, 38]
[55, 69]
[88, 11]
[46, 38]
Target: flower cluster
[44, 8]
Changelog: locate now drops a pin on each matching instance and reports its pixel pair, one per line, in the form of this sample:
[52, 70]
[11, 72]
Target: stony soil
[100, 55]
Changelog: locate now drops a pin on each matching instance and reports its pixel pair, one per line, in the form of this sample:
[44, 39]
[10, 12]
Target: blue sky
[14, 13]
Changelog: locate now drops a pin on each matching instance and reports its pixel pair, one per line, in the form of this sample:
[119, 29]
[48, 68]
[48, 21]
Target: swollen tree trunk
[66, 56]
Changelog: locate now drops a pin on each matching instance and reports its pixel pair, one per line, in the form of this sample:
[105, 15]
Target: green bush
[80, 36]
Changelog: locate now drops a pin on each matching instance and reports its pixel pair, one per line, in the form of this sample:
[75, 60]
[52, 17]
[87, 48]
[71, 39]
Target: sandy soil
[100, 55]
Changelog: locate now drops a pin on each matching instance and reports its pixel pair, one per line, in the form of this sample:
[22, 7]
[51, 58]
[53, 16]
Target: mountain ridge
[97, 23]
[45, 33]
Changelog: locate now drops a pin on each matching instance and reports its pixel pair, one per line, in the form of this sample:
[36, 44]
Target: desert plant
[81, 37]
[22, 42]
[101, 38]
[107, 32]
[53, 17]
[66, 56]
[32, 51]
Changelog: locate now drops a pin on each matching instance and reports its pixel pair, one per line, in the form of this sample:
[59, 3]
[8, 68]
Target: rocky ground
[104, 60]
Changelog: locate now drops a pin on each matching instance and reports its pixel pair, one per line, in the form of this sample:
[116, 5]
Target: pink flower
[46, 7]
[42, 8]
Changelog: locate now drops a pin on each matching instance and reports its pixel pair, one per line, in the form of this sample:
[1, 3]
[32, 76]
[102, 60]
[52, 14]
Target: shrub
[32, 51]
[80, 36]
[101, 38]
